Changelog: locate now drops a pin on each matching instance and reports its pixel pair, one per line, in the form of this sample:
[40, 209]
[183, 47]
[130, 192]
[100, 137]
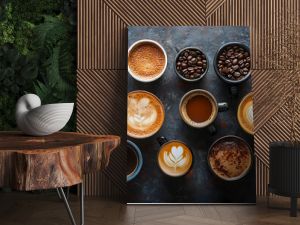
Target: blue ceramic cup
[134, 160]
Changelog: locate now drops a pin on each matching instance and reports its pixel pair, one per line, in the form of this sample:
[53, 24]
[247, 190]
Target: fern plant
[54, 43]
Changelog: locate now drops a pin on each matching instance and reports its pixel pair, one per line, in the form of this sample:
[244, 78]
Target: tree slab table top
[57, 160]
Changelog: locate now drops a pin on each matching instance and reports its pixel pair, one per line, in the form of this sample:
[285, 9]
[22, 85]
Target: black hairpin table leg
[62, 195]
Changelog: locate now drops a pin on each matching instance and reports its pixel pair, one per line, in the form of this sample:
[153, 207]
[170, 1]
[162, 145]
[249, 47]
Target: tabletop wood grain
[57, 160]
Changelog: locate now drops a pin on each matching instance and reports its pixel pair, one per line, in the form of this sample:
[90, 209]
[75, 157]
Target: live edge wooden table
[52, 162]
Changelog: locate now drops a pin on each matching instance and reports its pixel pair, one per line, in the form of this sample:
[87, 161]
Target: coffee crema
[175, 158]
[145, 114]
[245, 114]
[230, 158]
[146, 60]
[199, 108]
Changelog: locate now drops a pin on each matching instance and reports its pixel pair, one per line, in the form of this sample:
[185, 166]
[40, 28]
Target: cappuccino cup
[174, 158]
[245, 114]
[145, 114]
[198, 108]
[147, 60]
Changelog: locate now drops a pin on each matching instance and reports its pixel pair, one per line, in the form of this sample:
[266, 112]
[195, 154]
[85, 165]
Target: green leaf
[30, 72]
[8, 73]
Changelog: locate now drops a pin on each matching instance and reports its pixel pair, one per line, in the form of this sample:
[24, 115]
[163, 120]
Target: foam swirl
[249, 114]
[142, 113]
[175, 158]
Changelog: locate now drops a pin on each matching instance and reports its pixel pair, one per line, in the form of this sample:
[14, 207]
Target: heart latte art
[145, 114]
[175, 158]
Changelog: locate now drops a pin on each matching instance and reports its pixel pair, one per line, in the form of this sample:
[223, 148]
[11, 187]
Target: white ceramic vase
[40, 120]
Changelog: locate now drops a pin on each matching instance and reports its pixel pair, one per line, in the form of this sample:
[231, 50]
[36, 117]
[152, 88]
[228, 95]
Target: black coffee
[132, 160]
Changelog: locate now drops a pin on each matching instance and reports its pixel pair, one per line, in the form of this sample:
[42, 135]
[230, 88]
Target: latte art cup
[245, 114]
[145, 114]
[174, 158]
[141, 77]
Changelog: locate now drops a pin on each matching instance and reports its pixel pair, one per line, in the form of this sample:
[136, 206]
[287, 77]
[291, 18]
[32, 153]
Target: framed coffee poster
[190, 115]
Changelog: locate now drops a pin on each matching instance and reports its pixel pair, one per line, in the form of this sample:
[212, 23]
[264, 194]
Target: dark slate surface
[199, 185]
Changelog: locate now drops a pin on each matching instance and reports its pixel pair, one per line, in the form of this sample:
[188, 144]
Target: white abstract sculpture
[40, 120]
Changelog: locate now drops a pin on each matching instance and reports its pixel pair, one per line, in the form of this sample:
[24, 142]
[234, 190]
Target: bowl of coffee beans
[232, 63]
[191, 64]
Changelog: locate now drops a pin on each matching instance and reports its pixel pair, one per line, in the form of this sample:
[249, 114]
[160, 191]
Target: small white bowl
[138, 78]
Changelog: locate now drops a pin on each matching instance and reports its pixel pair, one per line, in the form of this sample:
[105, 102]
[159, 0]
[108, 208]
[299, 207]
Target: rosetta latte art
[141, 113]
[249, 114]
[175, 157]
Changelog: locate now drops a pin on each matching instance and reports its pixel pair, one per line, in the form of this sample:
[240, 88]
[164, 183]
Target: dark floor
[45, 209]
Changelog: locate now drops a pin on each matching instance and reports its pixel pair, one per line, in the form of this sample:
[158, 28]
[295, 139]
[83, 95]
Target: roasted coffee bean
[240, 56]
[191, 63]
[225, 70]
[233, 62]
[237, 74]
[235, 67]
[193, 60]
[193, 53]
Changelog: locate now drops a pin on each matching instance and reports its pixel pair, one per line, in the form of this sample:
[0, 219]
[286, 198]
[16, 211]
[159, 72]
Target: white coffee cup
[140, 77]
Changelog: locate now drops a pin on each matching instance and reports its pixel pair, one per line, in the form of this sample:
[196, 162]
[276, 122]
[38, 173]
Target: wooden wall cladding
[102, 53]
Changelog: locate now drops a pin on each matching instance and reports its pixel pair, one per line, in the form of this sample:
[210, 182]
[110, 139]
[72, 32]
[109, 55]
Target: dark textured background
[102, 76]
[199, 185]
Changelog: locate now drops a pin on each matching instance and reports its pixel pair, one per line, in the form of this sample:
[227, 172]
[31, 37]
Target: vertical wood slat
[272, 85]
[102, 51]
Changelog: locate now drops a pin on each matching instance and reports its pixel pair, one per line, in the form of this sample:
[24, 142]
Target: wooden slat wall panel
[272, 82]
[101, 107]
[102, 51]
